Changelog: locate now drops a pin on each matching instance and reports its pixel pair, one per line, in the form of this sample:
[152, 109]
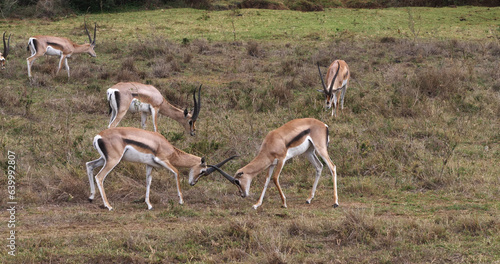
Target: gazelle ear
[186, 112]
[320, 90]
[203, 161]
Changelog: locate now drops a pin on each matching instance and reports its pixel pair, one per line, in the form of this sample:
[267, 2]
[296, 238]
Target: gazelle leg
[172, 169]
[268, 179]
[311, 156]
[276, 176]
[344, 88]
[334, 111]
[144, 118]
[101, 176]
[66, 65]
[61, 61]
[118, 117]
[30, 61]
[91, 165]
[333, 170]
[154, 116]
[148, 185]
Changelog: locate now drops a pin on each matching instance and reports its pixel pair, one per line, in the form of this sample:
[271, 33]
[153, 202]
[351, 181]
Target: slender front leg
[60, 64]
[172, 169]
[66, 65]
[268, 179]
[276, 176]
[148, 185]
[154, 116]
[344, 88]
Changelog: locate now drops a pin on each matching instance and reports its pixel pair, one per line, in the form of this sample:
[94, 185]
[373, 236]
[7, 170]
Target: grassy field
[416, 147]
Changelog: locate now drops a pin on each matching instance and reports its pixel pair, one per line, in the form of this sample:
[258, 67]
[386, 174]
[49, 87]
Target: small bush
[262, 4]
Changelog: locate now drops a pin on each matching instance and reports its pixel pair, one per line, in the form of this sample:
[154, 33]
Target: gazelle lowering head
[337, 78]
[5, 53]
[150, 148]
[55, 46]
[306, 136]
[138, 97]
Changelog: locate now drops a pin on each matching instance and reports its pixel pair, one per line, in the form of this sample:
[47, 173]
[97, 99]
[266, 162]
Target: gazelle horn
[333, 81]
[6, 48]
[197, 104]
[227, 176]
[220, 164]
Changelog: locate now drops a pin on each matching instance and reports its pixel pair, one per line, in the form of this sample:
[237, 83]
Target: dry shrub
[202, 46]
[443, 83]
[253, 49]
[262, 4]
[306, 6]
[281, 93]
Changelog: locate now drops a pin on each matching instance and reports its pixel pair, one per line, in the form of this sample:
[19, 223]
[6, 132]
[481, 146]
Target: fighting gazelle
[5, 53]
[56, 46]
[138, 97]
[147, 147]
[306, 136]
[337, 78]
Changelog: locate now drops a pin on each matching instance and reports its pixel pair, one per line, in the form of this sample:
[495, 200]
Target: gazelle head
[329, 93]
[191, 117]
[241, 180]
[203, 170]
[6, 48]
[91, 43]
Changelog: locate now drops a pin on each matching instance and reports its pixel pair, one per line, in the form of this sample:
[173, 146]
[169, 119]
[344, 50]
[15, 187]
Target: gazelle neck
[183, 159]
[173, 112]
[258, 164]
[81, 48]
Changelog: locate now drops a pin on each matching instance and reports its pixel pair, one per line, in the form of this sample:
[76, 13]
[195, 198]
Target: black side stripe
[102, 147]
[298, 137]
[139, 144]
[117, 97]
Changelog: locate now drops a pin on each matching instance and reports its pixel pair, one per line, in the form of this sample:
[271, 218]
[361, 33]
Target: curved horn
[227, 176]
[330, 90]
[87, 31]
[95, 31]
[6, 48]
[197, 104]
[218, 165]
[322, 81]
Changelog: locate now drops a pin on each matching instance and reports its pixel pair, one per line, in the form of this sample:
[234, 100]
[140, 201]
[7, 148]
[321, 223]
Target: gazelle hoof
[91, 200]
[335, 205]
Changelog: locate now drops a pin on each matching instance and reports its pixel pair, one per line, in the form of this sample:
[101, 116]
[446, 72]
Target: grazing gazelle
[337, 78]
[138, 97]
[306, 136]
[56, 46]
[150, 148]
[5, 53]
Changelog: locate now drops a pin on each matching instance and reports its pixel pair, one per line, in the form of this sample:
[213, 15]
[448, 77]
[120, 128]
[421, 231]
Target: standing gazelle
[138, 97]
[55, 46]
[150, 148]
[306, 136]
[337, 78]
[5, 53]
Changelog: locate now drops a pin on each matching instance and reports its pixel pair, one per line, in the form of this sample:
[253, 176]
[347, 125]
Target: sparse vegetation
[416, 147]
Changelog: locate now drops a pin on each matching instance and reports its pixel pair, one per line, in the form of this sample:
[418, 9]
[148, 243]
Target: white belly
[138, 106]
[133, 155]
[298, 150]
[53, 52]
